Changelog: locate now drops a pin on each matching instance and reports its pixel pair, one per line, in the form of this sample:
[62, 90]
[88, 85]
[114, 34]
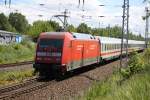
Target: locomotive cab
[49, 53]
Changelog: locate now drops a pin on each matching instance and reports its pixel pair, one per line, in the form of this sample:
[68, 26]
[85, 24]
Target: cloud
[32, 8]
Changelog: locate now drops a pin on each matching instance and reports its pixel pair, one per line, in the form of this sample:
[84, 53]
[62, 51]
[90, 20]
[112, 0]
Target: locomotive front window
[57, 43]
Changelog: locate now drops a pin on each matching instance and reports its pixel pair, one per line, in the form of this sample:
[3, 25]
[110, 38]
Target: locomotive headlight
[38, 58]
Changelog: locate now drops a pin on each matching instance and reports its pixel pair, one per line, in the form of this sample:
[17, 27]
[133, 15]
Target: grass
[133, 83]
[9, 77]
[135, 88]
[17, 52]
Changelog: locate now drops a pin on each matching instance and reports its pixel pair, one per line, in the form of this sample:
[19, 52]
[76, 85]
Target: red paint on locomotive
[64, 51]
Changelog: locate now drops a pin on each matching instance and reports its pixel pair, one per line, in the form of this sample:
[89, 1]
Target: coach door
[77, 54]
[82, 51]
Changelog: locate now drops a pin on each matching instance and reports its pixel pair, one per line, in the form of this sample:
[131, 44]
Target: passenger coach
[111, 47]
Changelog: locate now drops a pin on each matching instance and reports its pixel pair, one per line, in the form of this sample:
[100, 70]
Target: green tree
[83, 28]
[4, 23]
[71, 28]
[54, 25]
[38, 27]
[147, 1]
[18, 21]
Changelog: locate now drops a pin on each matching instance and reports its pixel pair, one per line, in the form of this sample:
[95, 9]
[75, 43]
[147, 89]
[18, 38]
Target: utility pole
[100, 18]
[125, 32]
[82, 4]
[109, 30]
[147, 26]
[64, 21]
[9, 3]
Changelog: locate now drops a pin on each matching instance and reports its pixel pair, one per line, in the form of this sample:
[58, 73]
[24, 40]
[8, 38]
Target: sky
[112, 12]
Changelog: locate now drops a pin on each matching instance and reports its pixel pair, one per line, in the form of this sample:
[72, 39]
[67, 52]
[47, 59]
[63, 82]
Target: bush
[136, 87]
[17, 52]
[146, 56]
[137, 63]
[14, 76]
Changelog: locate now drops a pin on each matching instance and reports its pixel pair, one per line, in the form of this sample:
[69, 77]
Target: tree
[54, 25]
[83, 28]
[71, 28]
[4, 23]
[18, 21]
[147, 1]
[38, 27]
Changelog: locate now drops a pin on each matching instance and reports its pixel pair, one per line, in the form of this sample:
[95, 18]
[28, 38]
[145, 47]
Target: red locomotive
[59, 52]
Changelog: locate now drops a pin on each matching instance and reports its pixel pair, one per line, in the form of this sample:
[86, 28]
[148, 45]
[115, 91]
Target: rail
[10, 92]
[15, 64]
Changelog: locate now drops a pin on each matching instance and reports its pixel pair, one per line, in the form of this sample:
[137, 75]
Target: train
[61, 52]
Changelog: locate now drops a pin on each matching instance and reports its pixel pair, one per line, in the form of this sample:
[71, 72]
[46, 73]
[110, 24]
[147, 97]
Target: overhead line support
[125, 32]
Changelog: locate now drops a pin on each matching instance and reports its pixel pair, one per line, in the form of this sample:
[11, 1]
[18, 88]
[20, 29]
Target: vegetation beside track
[17, 52]
[10, 77]
[131, 83]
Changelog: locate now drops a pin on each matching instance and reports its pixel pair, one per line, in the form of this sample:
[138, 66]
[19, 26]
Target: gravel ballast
[73, 87]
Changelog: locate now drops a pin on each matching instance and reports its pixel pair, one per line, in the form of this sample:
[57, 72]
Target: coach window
[105, 47]
[111, 46]
[117, 46]
[114, 46]
[108, 46]
[102, 47]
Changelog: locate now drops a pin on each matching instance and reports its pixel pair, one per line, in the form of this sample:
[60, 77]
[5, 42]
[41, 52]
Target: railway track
[15, 64]
[23, 89]
[10, 92]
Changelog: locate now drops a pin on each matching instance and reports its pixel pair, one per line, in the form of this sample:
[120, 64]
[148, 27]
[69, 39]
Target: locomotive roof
[74, 35]
[54, 33]
[82, 36]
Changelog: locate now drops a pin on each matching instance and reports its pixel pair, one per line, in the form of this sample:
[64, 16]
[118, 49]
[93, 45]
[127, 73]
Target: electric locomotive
[59, 52]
